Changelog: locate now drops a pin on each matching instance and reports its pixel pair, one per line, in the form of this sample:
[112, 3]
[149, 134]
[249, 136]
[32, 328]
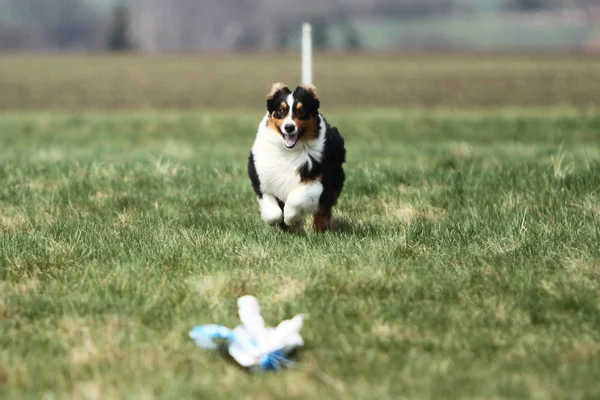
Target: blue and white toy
[252, 344]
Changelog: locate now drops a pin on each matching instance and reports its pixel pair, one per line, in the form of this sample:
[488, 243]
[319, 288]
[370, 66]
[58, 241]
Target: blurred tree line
[197, 25]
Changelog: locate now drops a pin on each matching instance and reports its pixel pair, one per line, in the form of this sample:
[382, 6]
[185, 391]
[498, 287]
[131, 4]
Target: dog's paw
[270, 212]
[297, 227]
[292, 215]
[272, 218]
[305, 199]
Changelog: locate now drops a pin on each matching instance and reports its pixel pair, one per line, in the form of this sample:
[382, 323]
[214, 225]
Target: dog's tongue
[290, 140]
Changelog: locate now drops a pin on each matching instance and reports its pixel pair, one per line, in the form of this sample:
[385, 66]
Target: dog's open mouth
[290, 139]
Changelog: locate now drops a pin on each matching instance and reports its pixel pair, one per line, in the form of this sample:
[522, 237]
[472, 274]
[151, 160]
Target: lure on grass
[252, 344]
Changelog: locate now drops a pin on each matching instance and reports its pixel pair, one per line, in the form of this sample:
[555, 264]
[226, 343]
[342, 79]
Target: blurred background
[269, 25]
[140, 54]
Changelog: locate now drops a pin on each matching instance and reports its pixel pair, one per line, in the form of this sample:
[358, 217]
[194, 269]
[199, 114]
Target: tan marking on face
[274, 124]
[308, 127]
[275, 121]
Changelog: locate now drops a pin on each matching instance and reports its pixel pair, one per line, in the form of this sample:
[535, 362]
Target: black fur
[254, 176]
[316, 169]
[331, 170]
[310, 104]
[280, 203]
[274, 102]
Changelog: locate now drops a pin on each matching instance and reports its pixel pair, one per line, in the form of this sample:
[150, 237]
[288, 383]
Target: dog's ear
[277, 87]
[275, 91]
[310, 97]
[311, 90]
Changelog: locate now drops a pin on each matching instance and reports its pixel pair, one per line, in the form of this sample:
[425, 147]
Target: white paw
[292, 215]
[269, 210]
[273, 218]
[305, 198]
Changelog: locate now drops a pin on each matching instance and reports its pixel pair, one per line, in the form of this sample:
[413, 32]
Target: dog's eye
[281, 111]
[300, 112]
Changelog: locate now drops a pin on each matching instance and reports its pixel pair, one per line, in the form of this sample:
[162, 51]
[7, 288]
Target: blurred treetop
[227, 25]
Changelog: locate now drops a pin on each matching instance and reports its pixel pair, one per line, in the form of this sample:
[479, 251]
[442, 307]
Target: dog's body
[295, 165]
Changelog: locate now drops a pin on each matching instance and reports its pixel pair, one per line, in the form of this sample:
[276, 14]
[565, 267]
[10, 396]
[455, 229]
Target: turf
[463, 263]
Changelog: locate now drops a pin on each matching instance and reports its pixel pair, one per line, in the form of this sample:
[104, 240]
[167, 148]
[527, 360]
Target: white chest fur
[276, 166]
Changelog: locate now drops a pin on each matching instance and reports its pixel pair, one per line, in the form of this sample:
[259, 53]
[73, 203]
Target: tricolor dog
[295, 165]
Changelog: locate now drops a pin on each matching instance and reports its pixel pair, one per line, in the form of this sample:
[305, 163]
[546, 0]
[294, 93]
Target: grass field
[463, 263]
[363, 81]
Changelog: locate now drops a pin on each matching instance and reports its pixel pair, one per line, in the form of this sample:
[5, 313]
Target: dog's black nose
[289, 128]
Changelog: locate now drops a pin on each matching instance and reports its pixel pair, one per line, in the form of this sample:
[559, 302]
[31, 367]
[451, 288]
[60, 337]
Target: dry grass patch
[461, 151]
[12, 221]
[212, 288]
[581, 353]
[51, 154]
[404, 212]
[217, 288]
[427, 188]
[253, 254]
[97, 390]
[297, 384]
[28, 286]
[504, 246]
[89, 390]
[34, 185]
[101, 196]
[167, 167]
[289, 289]
[586, 268]
[515, 202]
[59, 252]
[76, 336]
[591, 205]
[195, 238]
[95, 342]
[178, 150]
[400, 245]
[405, 333]
[384, 331]
[124, 220]
[407, 213]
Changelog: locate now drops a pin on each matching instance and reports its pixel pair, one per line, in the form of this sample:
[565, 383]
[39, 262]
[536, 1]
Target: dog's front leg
[270, 212]
[302, 201]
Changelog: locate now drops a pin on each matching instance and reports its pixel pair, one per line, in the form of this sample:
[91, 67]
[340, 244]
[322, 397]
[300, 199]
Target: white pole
[307, 67]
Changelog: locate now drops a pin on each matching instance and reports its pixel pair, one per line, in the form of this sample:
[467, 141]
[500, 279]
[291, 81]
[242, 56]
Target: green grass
[464, 261]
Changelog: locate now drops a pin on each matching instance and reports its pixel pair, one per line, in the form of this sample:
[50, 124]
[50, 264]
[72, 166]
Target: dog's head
[293, 115]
